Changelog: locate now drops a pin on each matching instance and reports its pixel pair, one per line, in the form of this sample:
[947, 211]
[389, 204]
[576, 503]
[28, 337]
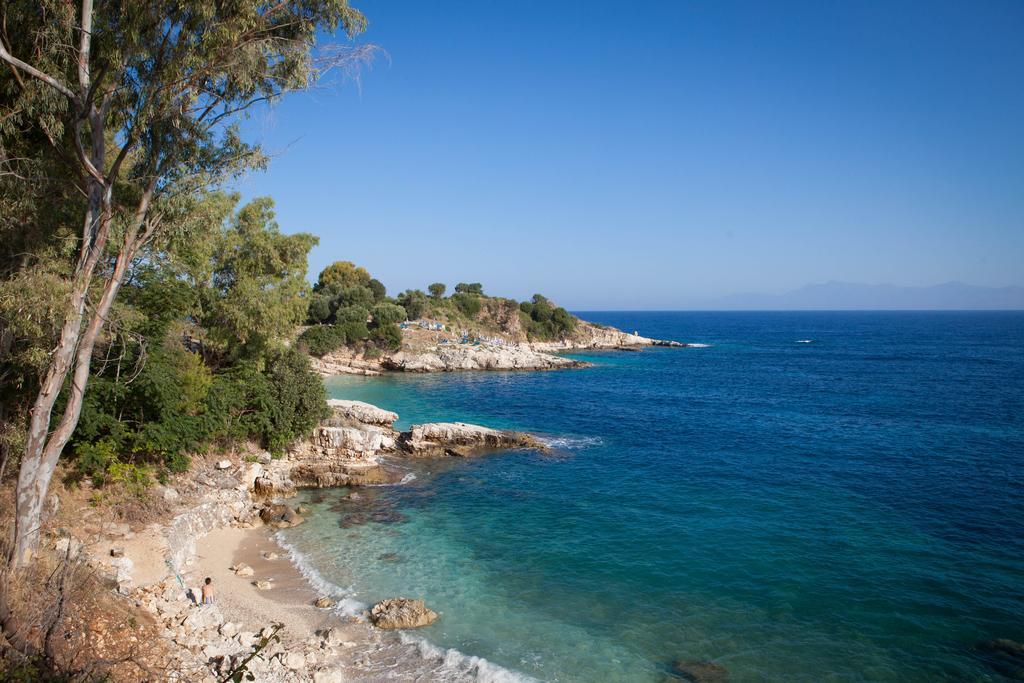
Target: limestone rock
[328, 677]
[324, 603]
[401, 613]
[280, 515]
[268, 555]
[294, 660]
[263, 585]
[223, 464]
[461, 439]
[242, 569]
[117, 551]
[453, 357]
[362, 412]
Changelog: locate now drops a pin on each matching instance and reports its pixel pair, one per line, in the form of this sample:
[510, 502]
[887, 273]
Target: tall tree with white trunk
[139, 100]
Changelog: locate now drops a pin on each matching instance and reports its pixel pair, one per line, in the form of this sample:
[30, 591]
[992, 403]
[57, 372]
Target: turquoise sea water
[848, 509]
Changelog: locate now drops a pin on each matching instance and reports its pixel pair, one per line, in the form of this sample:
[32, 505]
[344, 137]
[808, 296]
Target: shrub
[387, 336]
[352, 314]
[385, 314]
[437, 290]
[322, 339]
[468, 304]
[355, 331]
[469, 288]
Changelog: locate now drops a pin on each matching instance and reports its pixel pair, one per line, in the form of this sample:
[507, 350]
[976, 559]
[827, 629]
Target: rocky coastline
[160, 567]
[504, 351]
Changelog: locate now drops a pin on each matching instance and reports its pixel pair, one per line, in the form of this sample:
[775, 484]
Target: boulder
[328, 677]
[68, 546]
[401, 613]
[267, 555]
[461, 439]
[280, 515]
[223, 464]
[324, 603]
[228, 629]
[263, 585]
[242, 569]
[170, 495]
[365, 413]
[700, 671]
[294, 660]
[354, 440]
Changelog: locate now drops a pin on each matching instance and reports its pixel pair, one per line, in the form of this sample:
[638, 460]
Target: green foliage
[355, 331]
[342, 274]
[352, 314]
[319, 310]
[385, 314]
[380, 292]
[387, 337]
[542, 320]
[437, 290]
[357, 295]
[322, 339]
[255, 294]
[467, 304]
[469, 288]
[414, 302]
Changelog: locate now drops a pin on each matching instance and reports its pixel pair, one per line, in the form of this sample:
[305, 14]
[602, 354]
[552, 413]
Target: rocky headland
[502, 346]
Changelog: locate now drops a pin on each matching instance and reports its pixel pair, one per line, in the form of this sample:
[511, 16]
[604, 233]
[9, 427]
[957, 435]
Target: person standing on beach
[208, 591]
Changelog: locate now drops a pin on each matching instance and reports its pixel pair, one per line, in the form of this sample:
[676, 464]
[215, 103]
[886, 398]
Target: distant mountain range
[839, 296]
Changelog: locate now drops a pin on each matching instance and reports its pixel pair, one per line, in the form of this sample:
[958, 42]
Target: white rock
[170, 495]
[362, 412]
[242, 569]
[328, 677]
[263, 585]
[68, 546]
[223, 464]
[295, 660]
[228, 629]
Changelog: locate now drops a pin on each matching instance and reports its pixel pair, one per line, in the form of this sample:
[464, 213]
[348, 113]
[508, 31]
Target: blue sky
[659, 154]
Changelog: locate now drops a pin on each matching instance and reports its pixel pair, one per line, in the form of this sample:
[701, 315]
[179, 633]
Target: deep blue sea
[812, 497]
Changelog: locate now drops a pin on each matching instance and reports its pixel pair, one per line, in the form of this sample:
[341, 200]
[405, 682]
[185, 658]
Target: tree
[136, 100]
[469, 288]
[414, 302]
[342, 274]
[256, 291]
[380, 292]
[437, 290]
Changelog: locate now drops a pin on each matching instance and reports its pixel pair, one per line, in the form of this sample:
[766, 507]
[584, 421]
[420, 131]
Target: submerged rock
[402, 613]
[461, 440]
[1004, 656]
[700, 671]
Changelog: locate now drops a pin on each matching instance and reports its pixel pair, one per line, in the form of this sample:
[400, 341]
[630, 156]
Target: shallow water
[843, 509]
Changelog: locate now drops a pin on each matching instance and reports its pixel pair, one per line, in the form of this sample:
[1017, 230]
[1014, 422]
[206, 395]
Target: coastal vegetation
[350, 308]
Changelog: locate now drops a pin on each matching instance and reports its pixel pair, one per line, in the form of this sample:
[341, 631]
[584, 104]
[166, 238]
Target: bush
[387, 337]
[355, 331]
[352, 314]
[385, 314]
[469, 288]
[468, 304]
[322, 339]
[437, 290]
[354, 296]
